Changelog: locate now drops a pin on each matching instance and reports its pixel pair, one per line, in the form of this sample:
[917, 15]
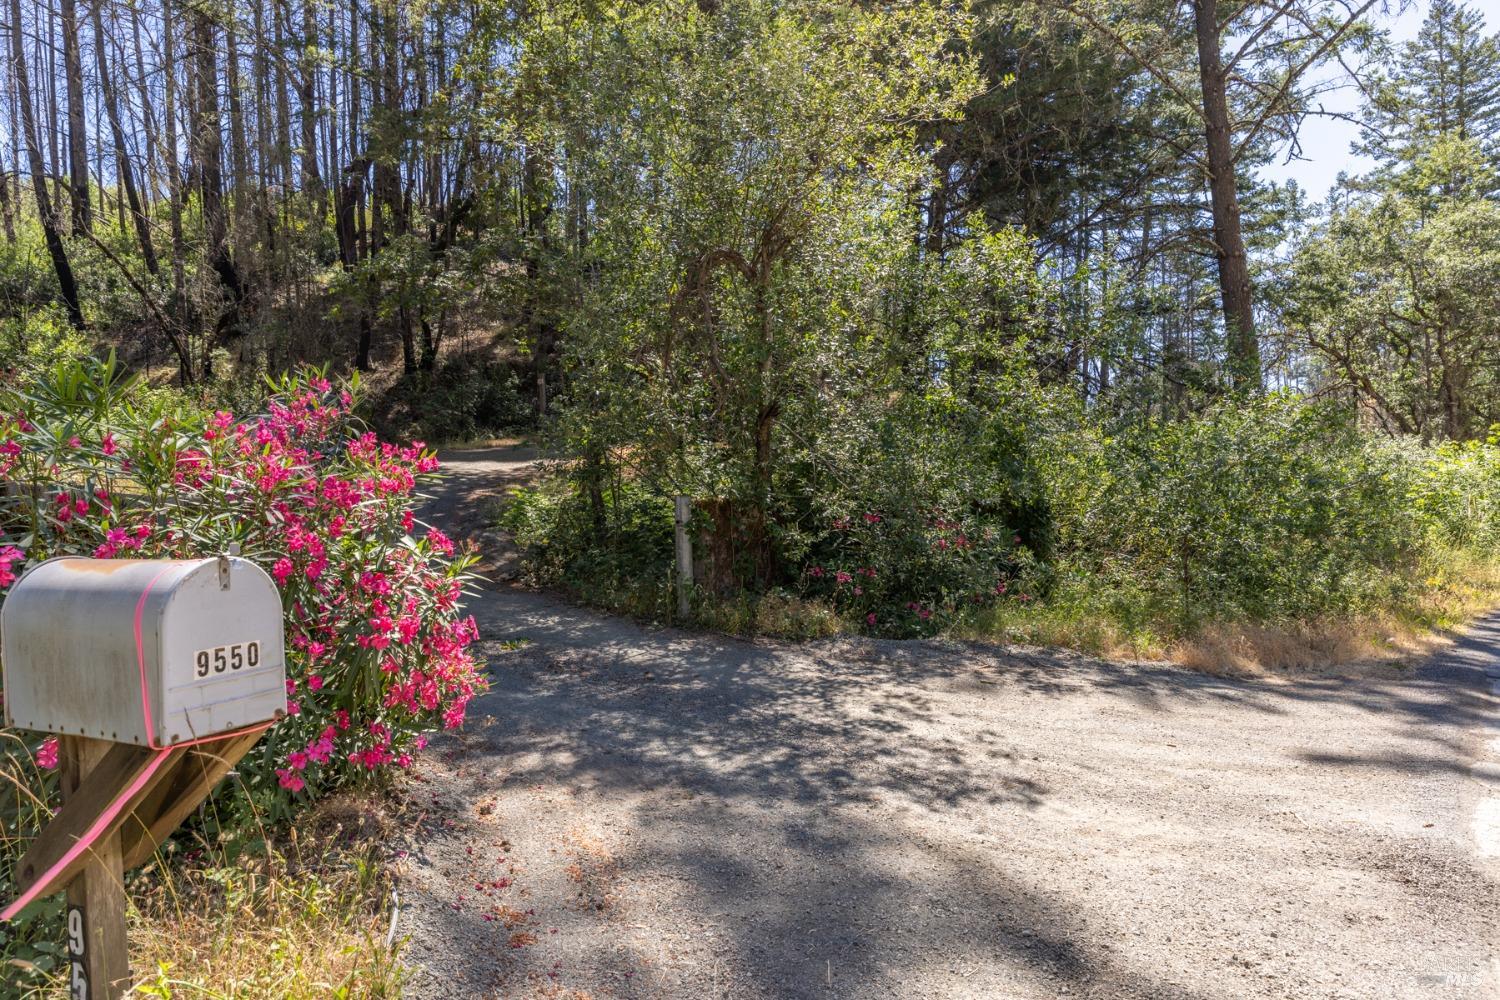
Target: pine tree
[1442, 87]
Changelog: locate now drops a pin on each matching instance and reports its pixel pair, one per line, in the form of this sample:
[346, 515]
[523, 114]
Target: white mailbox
[143, 651]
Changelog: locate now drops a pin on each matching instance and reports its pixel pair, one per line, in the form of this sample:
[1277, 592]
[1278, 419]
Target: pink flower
[439, 542]
[46, 754]
[108, 445]
[870, 618]
[74, 442]
[842, 577]
[321, 750]
[8, 555]
[314, 682]
[282, 571]
[290, 780]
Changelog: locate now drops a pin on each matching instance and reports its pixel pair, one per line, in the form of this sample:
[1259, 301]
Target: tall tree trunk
[174, 166]
[357, 135]
[208, 143]
[152, 178]
[354, 244]
[239, 146]
[389, 219]
[1229, 240]
[538, 207]
[53, 119]
[7, 210]
[66, 283]
[260, 81]
[122, 153]
[330, 121]
[307, 94]
[283, 105]
[388, 164]
[78, 150]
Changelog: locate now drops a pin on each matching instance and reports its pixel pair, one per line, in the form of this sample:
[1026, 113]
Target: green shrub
[1268, 510]
[611, 548]
[1456, 492]
[925, 527]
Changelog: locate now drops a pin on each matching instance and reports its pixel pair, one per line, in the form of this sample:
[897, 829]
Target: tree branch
[1129, 50]
[1295, 74]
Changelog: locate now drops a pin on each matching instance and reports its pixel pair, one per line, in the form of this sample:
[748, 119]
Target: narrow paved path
[638, 812]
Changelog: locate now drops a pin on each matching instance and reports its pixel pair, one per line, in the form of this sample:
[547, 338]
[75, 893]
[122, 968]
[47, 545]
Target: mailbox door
[222, 661]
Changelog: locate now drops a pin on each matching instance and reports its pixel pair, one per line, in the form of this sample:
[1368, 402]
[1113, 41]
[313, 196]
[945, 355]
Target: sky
[1325, 141]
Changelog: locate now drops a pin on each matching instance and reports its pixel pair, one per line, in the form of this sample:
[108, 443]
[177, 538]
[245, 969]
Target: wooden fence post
[684, 513]
[98, 957]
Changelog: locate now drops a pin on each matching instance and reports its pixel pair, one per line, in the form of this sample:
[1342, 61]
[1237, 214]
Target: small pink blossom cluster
[9, 556]
[907, 569]
[378, 647]
[46, 754]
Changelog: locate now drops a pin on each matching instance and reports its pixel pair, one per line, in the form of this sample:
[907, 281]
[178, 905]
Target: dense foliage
[1034, 511]
[546, 194]
[1280, 511]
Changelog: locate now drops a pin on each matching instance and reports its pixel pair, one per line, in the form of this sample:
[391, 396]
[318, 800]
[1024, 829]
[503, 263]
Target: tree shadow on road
[800, 753]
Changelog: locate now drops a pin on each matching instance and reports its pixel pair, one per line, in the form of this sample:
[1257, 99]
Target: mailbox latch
[234, 550]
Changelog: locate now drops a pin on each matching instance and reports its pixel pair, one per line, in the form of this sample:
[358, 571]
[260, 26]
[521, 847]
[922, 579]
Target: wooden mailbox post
[159, 676]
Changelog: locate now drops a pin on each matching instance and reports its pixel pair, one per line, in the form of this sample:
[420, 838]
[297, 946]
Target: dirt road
[637, 812]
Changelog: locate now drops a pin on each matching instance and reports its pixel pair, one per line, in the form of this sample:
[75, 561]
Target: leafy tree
[750, 181]
[1395, 293]
[1398, 301]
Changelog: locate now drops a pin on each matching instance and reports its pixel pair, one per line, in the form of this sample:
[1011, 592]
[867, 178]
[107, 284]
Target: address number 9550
[225, 659]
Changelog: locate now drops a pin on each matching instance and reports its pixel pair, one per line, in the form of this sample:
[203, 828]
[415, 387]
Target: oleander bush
[94, 464]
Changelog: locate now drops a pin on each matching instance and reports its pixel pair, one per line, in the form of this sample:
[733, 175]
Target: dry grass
[1454, 591]
[301, 919]
[1306, 648]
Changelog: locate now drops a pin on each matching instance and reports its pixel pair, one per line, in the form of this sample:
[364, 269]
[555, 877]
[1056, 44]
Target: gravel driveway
[635, 812]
